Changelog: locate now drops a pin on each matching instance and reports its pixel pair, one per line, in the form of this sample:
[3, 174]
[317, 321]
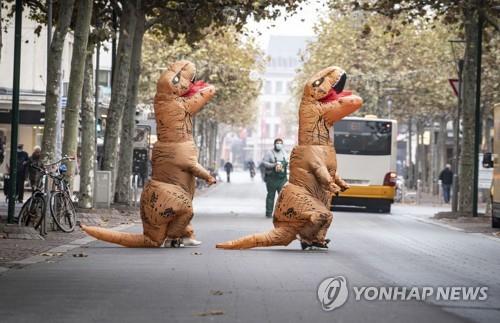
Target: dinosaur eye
[318, 82]
[176, 79]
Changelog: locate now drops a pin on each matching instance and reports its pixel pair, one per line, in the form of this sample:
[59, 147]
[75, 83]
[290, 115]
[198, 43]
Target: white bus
[366, 160]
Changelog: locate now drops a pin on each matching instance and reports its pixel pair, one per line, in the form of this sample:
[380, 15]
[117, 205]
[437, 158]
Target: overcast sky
[300, 24]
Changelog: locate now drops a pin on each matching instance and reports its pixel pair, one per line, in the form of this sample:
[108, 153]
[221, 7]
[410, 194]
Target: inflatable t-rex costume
[303, 206]
[166, 201]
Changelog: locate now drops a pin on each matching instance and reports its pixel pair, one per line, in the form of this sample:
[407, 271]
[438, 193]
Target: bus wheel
[385, 208]
[495, 222]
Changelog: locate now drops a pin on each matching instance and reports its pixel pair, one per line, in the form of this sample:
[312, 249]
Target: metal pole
[15, 111]
[456, 125]
[96, 98]
[477, 136]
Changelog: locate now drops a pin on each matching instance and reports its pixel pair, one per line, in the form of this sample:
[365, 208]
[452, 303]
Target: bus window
[362, 137]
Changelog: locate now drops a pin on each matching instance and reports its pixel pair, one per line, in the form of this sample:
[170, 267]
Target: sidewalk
[16, 249]
[427, 212]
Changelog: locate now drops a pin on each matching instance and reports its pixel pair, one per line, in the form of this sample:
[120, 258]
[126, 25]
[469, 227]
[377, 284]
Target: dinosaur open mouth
[195, 87]
[337, 90]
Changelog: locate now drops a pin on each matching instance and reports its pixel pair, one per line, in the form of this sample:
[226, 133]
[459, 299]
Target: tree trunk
[466, 170]
[214, 152]
[441, 143]
[87, 166]
[54, 81]
[433, 160]
[128, 128]
[418, 157]
[72, 111]
[212, 145]
[119, 89]
[201, 129]
[411, 169]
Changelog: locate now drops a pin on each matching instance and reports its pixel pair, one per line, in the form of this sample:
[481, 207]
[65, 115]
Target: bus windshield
[363, 137]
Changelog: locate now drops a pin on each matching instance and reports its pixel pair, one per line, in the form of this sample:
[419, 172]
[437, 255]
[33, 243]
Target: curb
[60, 249]
[450, 227]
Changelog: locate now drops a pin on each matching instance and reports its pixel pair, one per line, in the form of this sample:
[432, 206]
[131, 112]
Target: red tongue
[332, 96]
[194, 88]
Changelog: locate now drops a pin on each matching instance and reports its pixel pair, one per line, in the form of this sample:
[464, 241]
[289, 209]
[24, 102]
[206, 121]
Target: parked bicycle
[61, 206]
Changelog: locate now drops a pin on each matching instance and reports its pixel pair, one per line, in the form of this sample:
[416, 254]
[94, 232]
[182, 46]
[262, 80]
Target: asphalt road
[279, 284]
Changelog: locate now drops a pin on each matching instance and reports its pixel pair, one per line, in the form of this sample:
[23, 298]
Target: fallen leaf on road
[216, 292]
[49, 261]
[210, 313]
[196, 253]
[81, 254]
[47, 254]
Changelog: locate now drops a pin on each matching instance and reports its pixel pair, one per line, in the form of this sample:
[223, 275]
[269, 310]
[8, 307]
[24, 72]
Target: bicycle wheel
[32, 212]
[63, 211]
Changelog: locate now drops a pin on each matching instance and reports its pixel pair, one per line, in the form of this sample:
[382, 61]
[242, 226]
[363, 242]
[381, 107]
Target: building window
[267, 109]
[267, 130]
[276, 130]
[267, 87]
[277, 108]
[104, 78]
[279, 87]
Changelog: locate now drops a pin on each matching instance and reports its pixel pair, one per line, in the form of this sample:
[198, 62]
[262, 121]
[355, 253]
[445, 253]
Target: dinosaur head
[324, 102]
[326, 85]
[179, 80]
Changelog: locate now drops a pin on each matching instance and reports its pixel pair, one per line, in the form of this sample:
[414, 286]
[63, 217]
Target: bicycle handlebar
[64, 158]
[45, 172]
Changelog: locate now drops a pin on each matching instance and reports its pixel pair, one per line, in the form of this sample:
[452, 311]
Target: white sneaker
[190, 242]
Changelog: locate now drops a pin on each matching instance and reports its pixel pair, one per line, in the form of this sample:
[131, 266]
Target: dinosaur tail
[126, 239]
[276, 237]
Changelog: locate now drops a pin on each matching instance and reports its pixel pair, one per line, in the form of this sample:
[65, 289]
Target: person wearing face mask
[276, 164]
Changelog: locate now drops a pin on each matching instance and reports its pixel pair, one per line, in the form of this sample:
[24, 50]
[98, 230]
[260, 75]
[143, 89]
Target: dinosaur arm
[197, 101]
[338, 109]
[198, 171]
[341, 183]
[325, 179]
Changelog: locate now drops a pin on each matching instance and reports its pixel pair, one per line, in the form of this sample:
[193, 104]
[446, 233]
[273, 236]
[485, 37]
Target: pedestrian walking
[446, 178]
[228, 167]
[33, 174]
[251, 168]
[276, 163]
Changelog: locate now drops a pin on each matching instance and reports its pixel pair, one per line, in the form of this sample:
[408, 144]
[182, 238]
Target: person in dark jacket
[446, 178]
[22, 163]
[228, 167]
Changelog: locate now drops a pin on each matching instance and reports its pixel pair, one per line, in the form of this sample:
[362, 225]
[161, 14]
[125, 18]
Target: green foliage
[411, 68]
[223, 58]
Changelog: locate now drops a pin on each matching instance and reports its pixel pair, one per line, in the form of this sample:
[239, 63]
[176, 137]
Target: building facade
[33, 83]
[275, 99]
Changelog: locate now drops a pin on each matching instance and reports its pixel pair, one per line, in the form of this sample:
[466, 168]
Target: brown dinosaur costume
[166, 201]
[303, 206]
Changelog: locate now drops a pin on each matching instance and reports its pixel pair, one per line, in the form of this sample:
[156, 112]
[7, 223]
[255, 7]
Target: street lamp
[15, 110]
